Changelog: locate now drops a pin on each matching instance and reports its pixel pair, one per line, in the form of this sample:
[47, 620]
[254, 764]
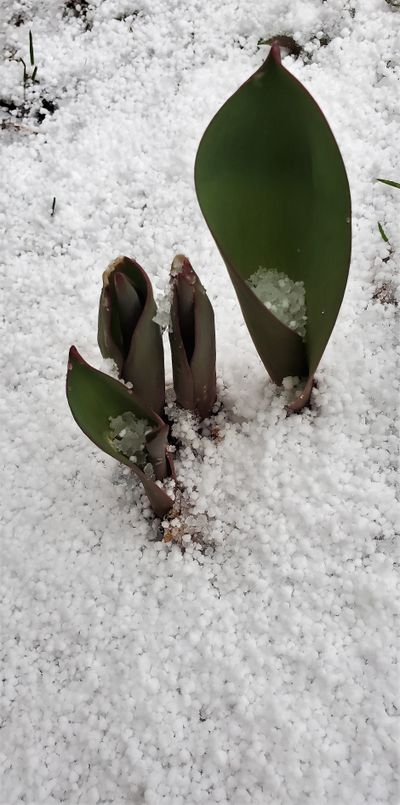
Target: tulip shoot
[273, 189]
[127, 332]
[192, 340]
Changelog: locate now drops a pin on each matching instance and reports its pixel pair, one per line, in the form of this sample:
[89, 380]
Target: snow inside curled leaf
[128, 435]
[162, 316]
[149, 471]
[285, 298]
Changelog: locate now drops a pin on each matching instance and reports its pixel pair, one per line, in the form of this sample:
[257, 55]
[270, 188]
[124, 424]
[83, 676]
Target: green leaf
[273, 189]
[192, 340]
[389, 182]
[94, 398]
[31, 52]
[127, 332]
[383, 233]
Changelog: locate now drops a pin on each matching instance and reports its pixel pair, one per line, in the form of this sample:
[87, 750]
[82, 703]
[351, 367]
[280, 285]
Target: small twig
[19, 126]
[8, 123]
[53, 206]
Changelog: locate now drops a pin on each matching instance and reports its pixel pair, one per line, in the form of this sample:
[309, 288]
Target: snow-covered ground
[262, 669]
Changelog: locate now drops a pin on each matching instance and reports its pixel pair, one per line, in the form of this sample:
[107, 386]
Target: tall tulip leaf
[127, 332]
[95, 398]
[272, 187]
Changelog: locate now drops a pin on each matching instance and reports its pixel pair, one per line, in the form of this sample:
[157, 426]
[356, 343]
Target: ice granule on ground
[128, 434]
[285, 298]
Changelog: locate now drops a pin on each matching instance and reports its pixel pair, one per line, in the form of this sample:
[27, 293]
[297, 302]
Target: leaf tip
[113, 266]
[181, 267]
[73, 355]
[275, 53]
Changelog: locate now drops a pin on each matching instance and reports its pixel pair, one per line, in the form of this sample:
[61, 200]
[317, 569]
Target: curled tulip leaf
[127, 332]
[106, 411]
[273, 189]
[192, 339]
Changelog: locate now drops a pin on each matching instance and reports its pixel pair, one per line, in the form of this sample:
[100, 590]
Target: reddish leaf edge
[304, 399]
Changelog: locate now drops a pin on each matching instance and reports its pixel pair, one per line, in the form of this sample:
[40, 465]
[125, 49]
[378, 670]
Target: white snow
[284, 297]
[259, 667]
[163, 316]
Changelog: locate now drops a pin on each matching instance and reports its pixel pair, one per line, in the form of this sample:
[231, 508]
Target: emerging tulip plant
[128, 423]
[273, 189]
[117, 421]
[192, 340]
[127, 332]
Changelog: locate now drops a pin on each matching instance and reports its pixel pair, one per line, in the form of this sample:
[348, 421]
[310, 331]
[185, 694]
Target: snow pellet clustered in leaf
[285, 298]
[128, 433]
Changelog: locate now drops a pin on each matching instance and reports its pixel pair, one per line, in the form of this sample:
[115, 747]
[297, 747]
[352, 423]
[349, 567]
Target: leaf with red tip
[95, 398]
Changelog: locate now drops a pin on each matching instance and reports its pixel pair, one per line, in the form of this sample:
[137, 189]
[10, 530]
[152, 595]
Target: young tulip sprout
[127, 332]
[192, 339]
[118, 422]
[273, 189]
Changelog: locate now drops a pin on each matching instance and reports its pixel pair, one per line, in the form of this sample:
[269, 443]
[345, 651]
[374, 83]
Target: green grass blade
[383, 233]
[390, 183]
[31, 52]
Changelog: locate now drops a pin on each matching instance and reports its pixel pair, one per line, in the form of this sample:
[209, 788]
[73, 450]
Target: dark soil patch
[37, 110]
[292, 47]
[385, 294]
[47, 107]
[17, 20]
[78, 9]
